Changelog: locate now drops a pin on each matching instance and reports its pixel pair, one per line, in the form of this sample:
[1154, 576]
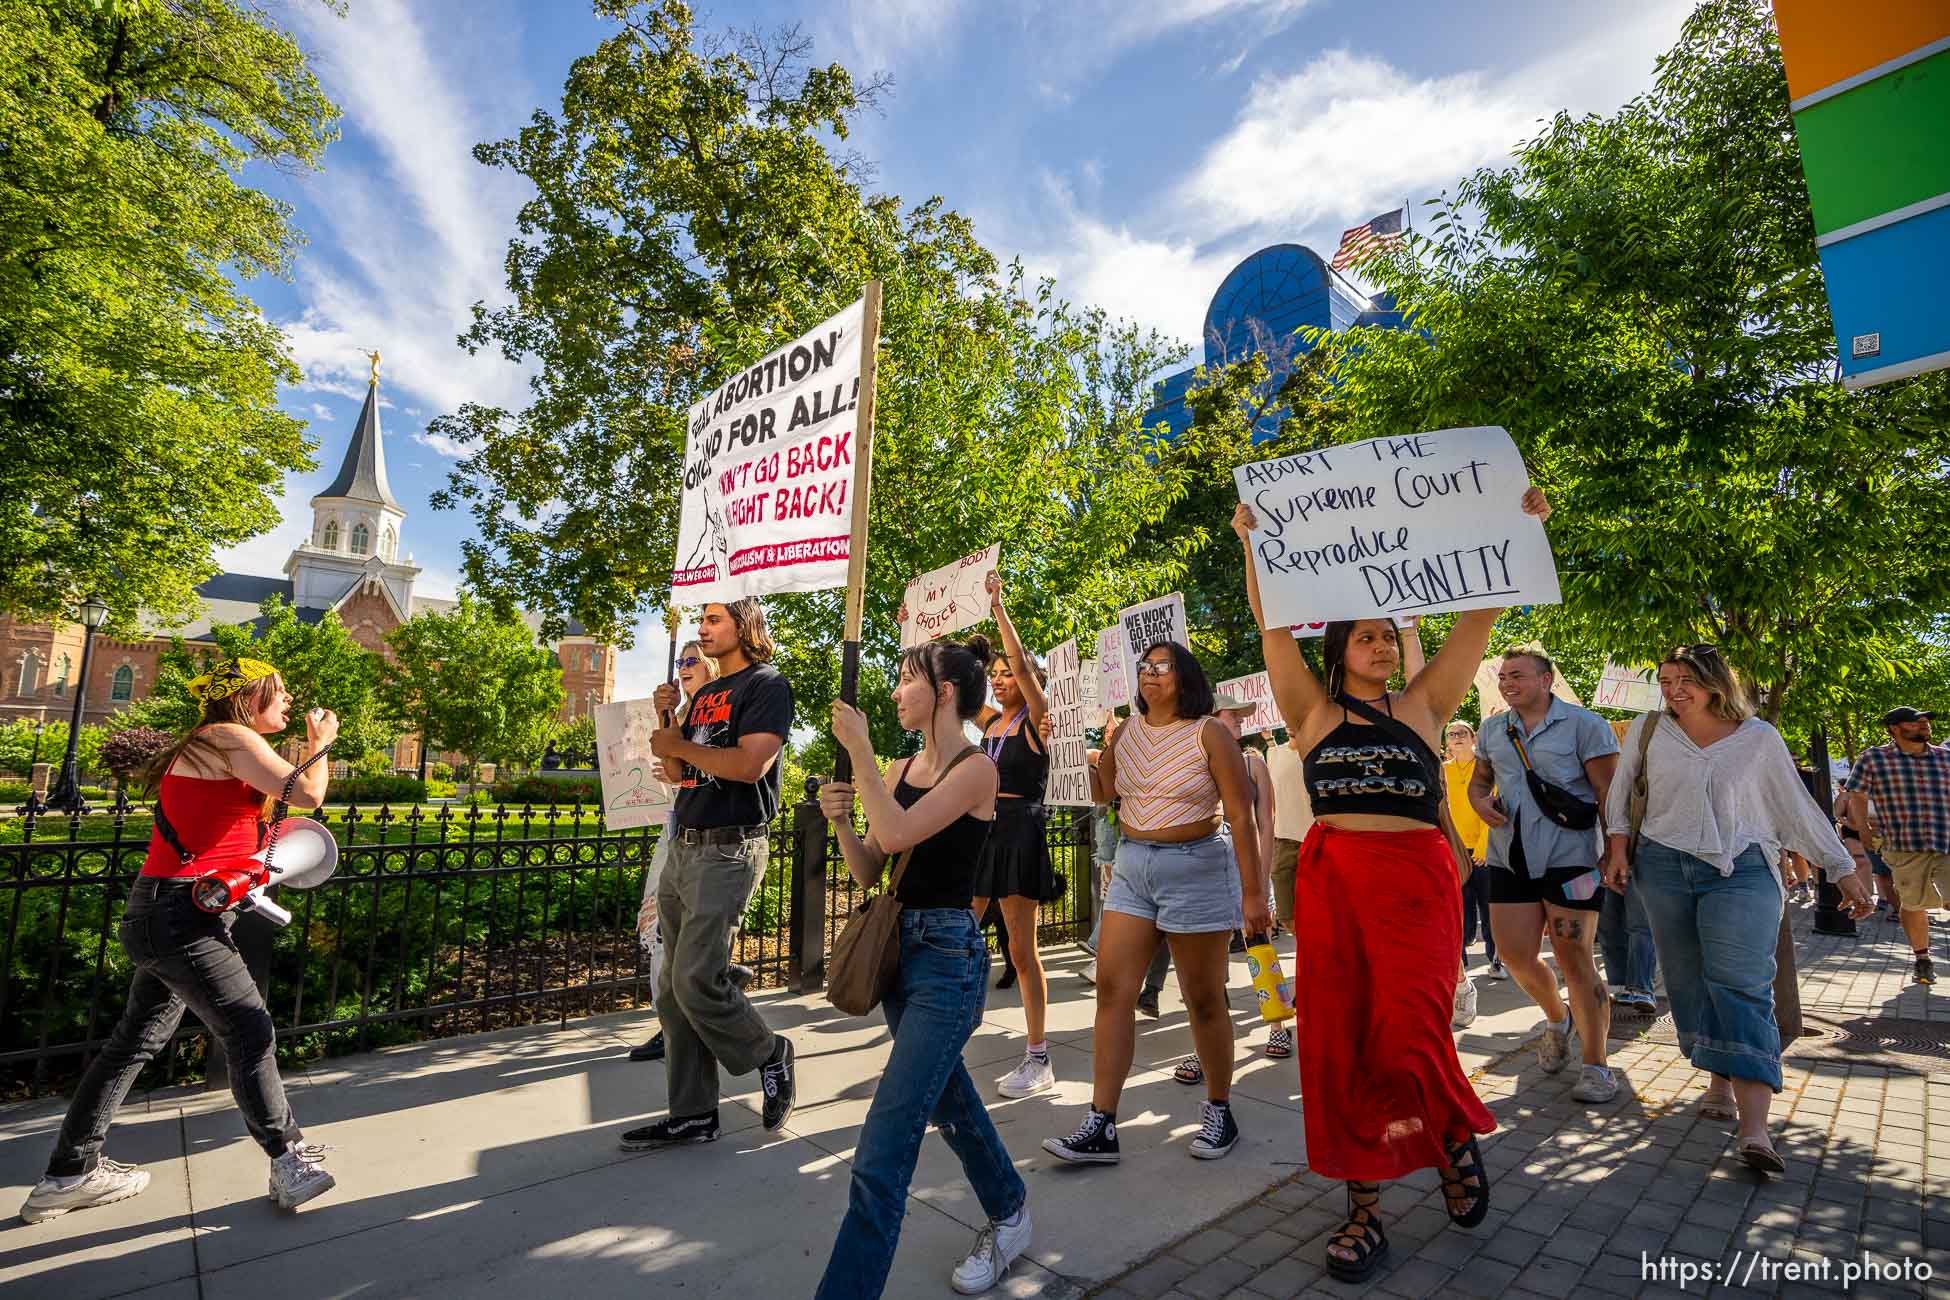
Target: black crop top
[941, 872]
[1019, 770]
[1384, 768]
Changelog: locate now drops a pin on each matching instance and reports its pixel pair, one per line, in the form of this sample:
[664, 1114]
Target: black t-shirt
[750, 701]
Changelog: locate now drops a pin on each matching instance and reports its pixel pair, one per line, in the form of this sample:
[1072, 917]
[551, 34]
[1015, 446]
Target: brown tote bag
[867, 954]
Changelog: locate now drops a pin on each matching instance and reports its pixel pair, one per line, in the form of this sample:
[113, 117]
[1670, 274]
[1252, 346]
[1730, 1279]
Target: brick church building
[351, 564]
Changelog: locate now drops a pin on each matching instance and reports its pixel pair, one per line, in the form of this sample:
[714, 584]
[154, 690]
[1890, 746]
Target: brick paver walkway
[1639, 1196]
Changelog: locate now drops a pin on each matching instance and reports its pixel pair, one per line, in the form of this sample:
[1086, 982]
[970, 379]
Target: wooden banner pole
[670, 664]
[856, 552]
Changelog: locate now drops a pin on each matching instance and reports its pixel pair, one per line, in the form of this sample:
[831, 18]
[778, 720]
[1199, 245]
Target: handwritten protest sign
[1492, 698]
[1068, 784]
[633, 790]
[947, 599]
[1257, 690]
[1113, 674]
[1091, 688]
[1627, 688]
[1143, 626]
[1300, 630]
[768, 472]
[1410, 525]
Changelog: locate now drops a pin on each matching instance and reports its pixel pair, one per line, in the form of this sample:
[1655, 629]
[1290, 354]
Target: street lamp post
[67, 791]
[40, 725]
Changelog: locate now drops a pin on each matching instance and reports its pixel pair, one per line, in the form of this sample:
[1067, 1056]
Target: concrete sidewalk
[488, 1166]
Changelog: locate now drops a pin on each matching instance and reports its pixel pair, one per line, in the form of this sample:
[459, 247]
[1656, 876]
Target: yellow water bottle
[1275, 990]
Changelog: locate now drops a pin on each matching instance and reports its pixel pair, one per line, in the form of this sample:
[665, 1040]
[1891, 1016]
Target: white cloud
[441, 443]
[320, 411]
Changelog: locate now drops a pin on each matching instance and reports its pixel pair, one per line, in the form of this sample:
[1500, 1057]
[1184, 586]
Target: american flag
[1368, 239]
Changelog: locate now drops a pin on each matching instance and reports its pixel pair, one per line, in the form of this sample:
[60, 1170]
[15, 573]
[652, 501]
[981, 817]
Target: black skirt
[1015, 861]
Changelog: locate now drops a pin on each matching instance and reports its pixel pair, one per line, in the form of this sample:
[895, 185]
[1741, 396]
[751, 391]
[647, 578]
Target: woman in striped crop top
[1173, 767]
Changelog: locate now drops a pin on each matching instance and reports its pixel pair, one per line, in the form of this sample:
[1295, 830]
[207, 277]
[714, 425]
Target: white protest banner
[1255, 689]
[768, 472]
[1143, 626]
[1634, 689]
[1068, 785]
[1113, 676]
[1413, 525]
[947, 599]
[634, 793]
[1300, 630]
[1091, 688]
[1492, 699]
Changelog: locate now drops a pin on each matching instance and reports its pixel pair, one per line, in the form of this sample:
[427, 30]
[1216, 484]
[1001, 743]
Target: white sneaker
[1028, 1079]
[996, 1247]
[1089, 971]
[106, 1183]
[1497, 970]
[300, 1174]
[1595, 1084]
[1462, 1011]
[1554, 1048]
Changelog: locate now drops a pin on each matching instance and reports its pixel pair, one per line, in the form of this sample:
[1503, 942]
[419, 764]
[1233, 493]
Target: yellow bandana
[227, 678]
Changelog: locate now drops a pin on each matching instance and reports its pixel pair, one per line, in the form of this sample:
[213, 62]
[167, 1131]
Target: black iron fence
[435, 924]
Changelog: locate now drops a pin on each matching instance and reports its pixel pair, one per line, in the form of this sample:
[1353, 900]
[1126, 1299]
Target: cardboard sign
[768, 472]
[947, 599]
[1143, 626]
[1091, 688]
[1627, 688]
[634, 793]
[1413, 525]
[1492, 699]
[1113, 675]
[1303, 630]
[1258, 689]
[1068, 784]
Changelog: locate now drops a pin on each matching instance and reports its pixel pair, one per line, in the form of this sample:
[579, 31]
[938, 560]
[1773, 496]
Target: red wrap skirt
[1378, 933]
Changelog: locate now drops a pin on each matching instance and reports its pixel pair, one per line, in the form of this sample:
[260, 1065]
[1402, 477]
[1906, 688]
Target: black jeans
[1476, 908]
[184, 957]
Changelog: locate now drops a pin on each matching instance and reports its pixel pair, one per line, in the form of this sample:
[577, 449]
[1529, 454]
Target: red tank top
[217, 821]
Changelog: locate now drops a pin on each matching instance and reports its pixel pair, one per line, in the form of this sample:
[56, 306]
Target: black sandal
[1466, 1158]
[1362, 1235]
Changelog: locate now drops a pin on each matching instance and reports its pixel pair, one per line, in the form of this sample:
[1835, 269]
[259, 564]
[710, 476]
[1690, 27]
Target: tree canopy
[473, 682]
[138, 382]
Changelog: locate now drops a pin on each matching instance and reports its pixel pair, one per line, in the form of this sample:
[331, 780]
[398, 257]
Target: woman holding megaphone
[215, 788]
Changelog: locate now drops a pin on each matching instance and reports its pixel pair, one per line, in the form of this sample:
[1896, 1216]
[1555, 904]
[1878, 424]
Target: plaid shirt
[1911, 793]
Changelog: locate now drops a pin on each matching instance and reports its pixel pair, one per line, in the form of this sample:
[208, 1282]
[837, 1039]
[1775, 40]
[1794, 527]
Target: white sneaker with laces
[1497, 970]
[1028, 1079]
[996, 1247]
[1554, 1048]
[1089, 971]
[1595, 1084]
[1462, 1011]
[106, 1183]
[300, 1174]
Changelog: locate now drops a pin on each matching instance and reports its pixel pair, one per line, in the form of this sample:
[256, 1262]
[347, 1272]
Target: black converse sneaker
[1217, 1134]
[1095, 1143]
[672, 1131]
[1925, 970]
[775, 1077]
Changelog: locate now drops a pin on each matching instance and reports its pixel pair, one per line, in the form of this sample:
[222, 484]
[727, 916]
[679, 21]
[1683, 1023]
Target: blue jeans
[1716, 937]
[1625, 937]
[934, 1006]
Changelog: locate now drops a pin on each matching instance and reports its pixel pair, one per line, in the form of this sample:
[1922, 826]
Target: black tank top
[1019, 770]
[941, 872]
[1384, 768]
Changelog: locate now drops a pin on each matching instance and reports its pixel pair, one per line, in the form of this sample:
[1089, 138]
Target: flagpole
[856, 550]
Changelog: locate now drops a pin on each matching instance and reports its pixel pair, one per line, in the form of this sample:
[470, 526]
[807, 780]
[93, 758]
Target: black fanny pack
[1553, 800]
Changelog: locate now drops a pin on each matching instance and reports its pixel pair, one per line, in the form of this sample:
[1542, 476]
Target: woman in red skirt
[1376, 923]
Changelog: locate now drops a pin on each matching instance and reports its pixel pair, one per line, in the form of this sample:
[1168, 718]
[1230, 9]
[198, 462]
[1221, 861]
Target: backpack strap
[900, 863]
[1394, 726]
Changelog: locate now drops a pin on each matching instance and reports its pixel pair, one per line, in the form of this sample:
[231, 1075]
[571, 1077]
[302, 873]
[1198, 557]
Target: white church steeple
[356, 524]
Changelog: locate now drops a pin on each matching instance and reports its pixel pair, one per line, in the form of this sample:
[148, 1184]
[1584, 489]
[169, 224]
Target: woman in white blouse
[1723, 799]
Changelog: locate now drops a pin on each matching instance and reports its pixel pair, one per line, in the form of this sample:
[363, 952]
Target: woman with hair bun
[939, 810]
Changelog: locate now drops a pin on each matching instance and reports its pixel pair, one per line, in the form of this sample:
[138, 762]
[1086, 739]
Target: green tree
[138, 384]
[1640, 304]
[473, 682]
[691, 213]
[17, 747]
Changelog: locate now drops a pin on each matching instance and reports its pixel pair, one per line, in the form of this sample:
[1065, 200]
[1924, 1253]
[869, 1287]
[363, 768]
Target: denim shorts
[1190, 888]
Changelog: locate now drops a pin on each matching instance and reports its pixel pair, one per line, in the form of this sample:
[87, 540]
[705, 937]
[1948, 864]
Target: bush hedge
[536, 790]
[377, 789]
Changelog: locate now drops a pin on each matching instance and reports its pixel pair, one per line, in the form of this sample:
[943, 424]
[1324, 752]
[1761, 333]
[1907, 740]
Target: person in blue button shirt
[1543, 875]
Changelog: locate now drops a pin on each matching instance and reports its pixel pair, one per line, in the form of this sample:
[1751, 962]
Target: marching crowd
[1383, 833]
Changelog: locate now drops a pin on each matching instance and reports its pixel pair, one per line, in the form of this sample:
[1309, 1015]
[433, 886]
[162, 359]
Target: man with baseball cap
[1909, 781]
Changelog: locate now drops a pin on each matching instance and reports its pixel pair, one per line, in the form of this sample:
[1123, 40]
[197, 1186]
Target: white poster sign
[1091, 688]
[1635, 689]
[768, 472]
[1301, 630]
[1068, 785]
[634, 793]
[948, 599]
[1257, 690]
[1412, 525]
[1143, 626]
[1492, 699]
[1113, 675]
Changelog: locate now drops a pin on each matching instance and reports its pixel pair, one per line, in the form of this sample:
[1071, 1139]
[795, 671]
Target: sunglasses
[1154, 668]
[690, 661]
[1696, 651]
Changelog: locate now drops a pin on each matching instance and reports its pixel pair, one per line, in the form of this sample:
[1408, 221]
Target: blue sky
[1133, 149]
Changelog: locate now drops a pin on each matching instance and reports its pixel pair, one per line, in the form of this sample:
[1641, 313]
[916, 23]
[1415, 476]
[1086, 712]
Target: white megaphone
[306, 856]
